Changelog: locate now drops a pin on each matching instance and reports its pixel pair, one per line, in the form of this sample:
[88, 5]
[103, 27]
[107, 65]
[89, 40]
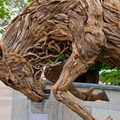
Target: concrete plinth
[25, 109]
[50, 109]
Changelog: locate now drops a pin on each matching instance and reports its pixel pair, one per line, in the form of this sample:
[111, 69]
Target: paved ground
[5, 102]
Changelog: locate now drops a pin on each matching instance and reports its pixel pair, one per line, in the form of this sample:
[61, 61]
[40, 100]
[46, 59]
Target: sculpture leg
[71, 70]
[53, 73]
[89, 95]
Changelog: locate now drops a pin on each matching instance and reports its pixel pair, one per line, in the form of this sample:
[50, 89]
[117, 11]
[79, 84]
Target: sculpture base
[50, 109]
[25, 109]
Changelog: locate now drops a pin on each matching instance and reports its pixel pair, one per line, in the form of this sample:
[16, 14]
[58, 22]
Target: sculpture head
[17, 73]
[33, 41]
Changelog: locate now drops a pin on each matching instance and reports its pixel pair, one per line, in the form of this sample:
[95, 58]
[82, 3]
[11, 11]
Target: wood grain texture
[66, 37]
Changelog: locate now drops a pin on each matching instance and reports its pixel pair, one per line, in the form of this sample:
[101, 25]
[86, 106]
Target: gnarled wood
[66, 37]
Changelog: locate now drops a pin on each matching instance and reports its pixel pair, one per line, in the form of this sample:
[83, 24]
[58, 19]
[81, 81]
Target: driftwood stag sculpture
[66, 37]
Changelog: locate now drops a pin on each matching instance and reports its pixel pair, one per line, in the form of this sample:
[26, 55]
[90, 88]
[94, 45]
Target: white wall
[58, 111]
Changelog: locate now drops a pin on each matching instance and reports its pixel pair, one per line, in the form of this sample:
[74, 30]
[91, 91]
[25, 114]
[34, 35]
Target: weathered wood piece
[66, 37]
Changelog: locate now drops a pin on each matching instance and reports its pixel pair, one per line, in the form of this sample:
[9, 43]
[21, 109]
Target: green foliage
[5, 14]
[29, 0]
[97, 67]
[112, 77]
[4, 11]
[100, 66]
[109, 75]
[9, 9]
[61, 58]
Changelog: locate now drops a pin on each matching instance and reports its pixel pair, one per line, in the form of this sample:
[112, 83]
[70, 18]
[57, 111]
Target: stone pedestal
[50, 109]
[25, 109]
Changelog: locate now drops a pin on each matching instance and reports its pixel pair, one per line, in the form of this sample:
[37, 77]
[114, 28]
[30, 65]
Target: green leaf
[112, 77]
[29, 0]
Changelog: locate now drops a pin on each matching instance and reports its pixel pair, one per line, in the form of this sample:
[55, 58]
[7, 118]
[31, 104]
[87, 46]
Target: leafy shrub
[112, 77]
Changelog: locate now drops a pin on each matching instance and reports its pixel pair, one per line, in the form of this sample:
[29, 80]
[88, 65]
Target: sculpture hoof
[103, 96]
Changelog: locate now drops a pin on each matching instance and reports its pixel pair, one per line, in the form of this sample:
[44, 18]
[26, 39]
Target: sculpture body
[66, 36]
